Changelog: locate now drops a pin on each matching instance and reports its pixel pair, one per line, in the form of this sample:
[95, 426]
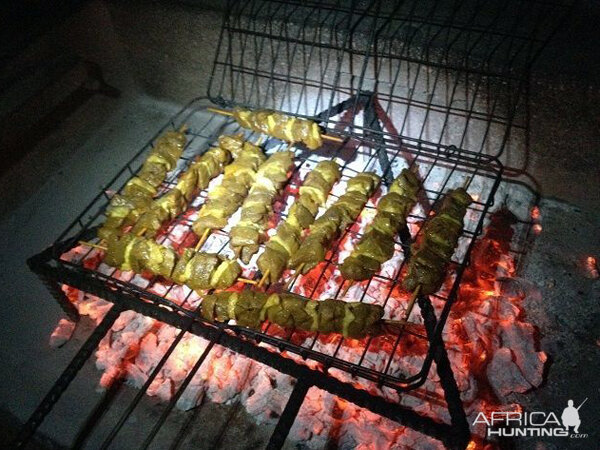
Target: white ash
[491, 330]
[62, 333]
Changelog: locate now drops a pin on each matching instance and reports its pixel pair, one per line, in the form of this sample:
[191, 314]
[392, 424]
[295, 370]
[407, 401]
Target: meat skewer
[281, 126]
[327, 228]
[136, 197]
[251, 309]
[206, 167]
[431, 254]
[197, 270]
[377, 243]
[226, 198]
[270, 177]
[312, 195]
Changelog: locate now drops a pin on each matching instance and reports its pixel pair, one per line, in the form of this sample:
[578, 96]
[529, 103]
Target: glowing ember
[592, 267]
[535, 213]
[492, 351]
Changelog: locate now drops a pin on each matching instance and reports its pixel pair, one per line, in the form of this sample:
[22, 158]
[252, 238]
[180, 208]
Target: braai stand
[322, 61]
[53, 274]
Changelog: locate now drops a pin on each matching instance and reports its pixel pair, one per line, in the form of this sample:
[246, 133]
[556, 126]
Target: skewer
[264, 278]
[397, 326]
[202, 240]
[224, 112]
[411, 302]
[90, 244]
[104, 248]
[350, 284]
[468, 182]
[295, 277]
[208, 231]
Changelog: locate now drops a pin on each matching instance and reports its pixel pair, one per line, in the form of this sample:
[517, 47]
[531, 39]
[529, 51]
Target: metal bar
[188, 379]
[142, 391]
[63, 301]
[458, 417]
[63, 381]
[288, 416]
[373, 123]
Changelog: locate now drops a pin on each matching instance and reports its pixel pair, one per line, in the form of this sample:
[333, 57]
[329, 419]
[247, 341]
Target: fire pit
[149, 331]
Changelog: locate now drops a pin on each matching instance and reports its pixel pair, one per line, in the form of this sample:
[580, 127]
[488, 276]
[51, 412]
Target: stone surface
[568, 316]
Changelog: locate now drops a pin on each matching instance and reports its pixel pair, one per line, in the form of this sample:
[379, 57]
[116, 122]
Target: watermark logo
[536, 423]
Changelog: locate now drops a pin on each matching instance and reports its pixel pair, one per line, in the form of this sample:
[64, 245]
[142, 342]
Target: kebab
[377, 243]
[137, 195]
[327, 228]
[198, 270]
[251, 309]
[431, 254]
[312, 195]
[206, 167]
[281, 126]
[226, 198]
[270, 177]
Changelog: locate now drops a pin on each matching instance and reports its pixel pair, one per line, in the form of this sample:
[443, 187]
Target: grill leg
[373, 123]
[66, 377]
[54, 288]
[289, 415]
[447, 380]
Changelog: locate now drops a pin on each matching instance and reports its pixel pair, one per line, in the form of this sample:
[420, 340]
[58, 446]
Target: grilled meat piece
[251, 309]
[377, 243]
[195, 178]
[280, 126]
[233, 143]
[327, 228]
[197, 270]
[432, 254]
[226, 198]
[312, 194]
[258, 205]
[130, 252]
[136, 196]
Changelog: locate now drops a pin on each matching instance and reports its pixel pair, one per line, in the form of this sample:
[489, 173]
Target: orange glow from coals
[535, 213]
[592, 267]
[489, 260]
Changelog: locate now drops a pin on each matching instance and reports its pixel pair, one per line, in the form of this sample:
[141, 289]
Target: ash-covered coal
[491, 347]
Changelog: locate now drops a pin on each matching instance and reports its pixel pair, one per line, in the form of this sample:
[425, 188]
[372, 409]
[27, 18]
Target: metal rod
[458, 417]
[288, 416]
[142, 391]
[63, 381]
[161, 420]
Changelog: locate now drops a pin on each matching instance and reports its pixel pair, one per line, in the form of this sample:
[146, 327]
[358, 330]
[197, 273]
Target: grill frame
[86, 231]
[54, 271]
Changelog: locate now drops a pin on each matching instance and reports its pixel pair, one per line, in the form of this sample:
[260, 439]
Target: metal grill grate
[437, 175]
[447, 73]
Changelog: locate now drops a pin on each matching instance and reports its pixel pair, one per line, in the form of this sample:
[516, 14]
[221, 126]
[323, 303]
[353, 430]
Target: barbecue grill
[409, 84]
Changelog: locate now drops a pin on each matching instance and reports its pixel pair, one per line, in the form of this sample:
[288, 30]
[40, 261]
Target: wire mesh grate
[379, 359]
[448, 73]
